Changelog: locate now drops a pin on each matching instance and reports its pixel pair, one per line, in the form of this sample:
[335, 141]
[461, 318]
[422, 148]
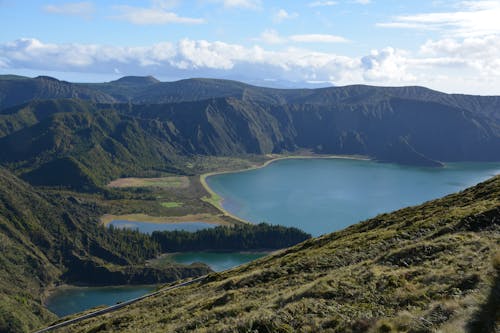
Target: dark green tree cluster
[236, 238]
[131, 244]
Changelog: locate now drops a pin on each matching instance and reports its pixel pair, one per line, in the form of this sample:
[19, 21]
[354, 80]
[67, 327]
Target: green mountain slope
[136, 124]
[419, 269]
[83, 145]
[48, 238]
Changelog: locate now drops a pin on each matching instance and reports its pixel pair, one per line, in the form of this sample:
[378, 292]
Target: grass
[208, 218]
[163, 182]
[171, 204]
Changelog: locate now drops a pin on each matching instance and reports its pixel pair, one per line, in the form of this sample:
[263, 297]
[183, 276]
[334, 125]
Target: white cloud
[478, 53]
[322, 3]
[154, 15]
[84, 9]
[317, 38]
[271, 36]
[386, 65]
[474, 18]
[248, 4]
[283, 15]
[446, 64]
[362, 2]
[187, 57]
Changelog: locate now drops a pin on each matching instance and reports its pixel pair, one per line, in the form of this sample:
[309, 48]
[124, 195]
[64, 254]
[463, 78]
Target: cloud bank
[443, 64]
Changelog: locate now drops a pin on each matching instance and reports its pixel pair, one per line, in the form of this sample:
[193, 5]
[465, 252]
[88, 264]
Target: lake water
[324, 195]
[218, 261]
[69, 300]
[315, 195]
[149, 227]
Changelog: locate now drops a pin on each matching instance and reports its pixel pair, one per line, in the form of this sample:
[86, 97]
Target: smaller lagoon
[149, 227]
[68, 300]
[218, 261]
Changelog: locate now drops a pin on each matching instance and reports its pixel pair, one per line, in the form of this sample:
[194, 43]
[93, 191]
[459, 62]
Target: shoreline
[216, 201]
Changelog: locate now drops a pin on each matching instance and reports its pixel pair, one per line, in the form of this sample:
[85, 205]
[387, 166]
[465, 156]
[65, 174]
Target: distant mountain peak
[137, 80]
[46, 78]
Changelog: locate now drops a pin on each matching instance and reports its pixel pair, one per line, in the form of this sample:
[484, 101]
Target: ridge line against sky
[448, 45]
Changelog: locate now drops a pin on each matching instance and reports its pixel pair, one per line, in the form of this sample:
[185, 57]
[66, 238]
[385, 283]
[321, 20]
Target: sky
[447, 45]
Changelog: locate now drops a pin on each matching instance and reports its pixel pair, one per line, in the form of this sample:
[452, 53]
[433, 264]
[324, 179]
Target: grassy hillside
[420, 269]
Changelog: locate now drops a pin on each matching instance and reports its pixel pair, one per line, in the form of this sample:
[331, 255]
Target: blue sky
[449, 45]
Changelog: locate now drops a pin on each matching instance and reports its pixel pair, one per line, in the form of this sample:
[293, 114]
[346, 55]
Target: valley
[76, 158]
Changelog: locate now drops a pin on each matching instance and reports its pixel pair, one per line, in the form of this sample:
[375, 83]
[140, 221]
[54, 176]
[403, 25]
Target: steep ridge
[419, 269]
[48, 238]
[100, 142]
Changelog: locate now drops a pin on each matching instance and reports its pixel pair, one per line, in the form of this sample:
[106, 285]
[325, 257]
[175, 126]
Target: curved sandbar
[216, 201]
[206, 218]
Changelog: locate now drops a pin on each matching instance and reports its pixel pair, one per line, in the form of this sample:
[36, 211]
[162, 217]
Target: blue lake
[324, 195]
[315, 195]
[218, 261]
[149, 227]
[69, 300]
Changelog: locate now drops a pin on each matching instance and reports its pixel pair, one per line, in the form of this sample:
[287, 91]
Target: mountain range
[102, 131]
[417, 270]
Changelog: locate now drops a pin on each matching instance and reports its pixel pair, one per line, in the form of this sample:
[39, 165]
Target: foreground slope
[418, 269]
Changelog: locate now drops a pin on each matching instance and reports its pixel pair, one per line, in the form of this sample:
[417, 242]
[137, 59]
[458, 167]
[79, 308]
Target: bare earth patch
[164, 182]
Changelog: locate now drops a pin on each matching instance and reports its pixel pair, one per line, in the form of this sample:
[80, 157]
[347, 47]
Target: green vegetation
[241, 237]
[171, 204]
[169, 128]
[50, 237]
[420, 269]
[416, 270]
[164, 182]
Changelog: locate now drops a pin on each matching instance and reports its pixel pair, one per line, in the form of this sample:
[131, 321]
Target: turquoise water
[316, 195]
[324, 195]
[148, 227]
[218, 261]
[71, 300]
